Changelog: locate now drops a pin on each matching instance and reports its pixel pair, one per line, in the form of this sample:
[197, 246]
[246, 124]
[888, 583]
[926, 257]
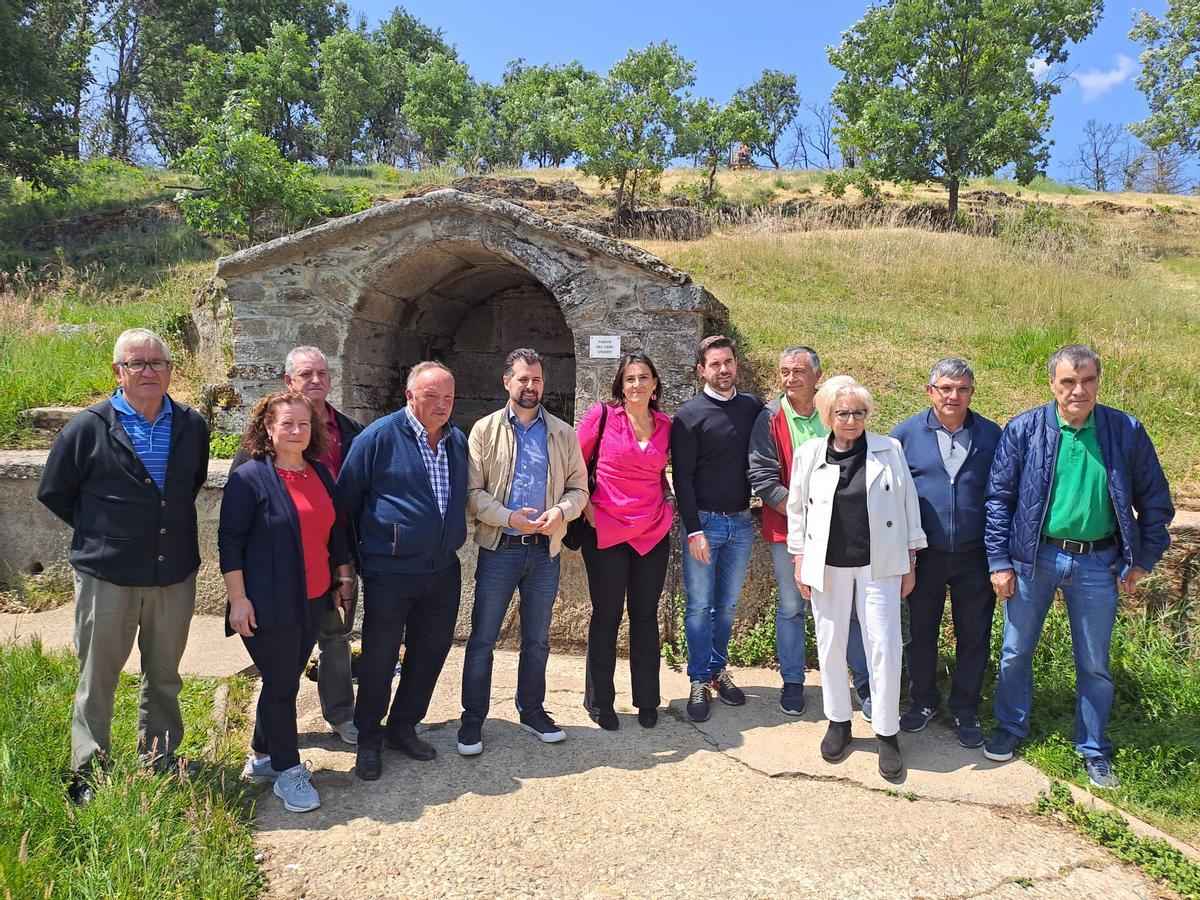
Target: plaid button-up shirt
[437, 463]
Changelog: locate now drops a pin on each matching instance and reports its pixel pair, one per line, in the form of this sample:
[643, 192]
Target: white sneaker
[347, 731]
[294, 788]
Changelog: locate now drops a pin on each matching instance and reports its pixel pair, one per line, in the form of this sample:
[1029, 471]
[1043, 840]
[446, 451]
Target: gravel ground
[666, 812]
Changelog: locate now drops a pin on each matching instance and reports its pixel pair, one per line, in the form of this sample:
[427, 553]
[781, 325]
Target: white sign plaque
[605, 346]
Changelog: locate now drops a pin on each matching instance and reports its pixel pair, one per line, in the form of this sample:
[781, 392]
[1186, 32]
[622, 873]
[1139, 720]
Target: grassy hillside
[883, 304]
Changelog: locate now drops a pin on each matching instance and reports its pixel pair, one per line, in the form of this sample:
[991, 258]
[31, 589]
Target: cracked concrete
[743, 807]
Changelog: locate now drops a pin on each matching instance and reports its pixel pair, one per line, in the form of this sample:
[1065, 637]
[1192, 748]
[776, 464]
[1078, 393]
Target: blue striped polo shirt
[151, 440]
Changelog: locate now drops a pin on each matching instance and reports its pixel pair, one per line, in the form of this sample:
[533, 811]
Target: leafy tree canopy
[1170, 76]
[941, 90]
[775, 102]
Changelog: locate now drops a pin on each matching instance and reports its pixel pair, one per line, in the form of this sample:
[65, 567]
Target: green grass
[884, 304]
[144, 835]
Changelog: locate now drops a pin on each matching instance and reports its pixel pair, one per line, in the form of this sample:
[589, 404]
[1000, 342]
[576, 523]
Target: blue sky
[731, 43]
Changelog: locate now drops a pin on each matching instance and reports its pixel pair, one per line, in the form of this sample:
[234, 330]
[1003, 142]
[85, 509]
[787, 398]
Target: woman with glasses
[854, 528]
[285, 556]
[628, 546]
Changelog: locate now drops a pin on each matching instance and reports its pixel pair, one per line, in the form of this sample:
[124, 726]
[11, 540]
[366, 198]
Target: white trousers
[878, 603]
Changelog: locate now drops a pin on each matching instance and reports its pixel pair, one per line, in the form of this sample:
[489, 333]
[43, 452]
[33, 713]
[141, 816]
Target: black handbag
[579, 526]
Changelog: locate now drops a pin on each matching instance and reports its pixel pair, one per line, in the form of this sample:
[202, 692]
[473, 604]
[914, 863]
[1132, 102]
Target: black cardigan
[127, 531]
[259, 534]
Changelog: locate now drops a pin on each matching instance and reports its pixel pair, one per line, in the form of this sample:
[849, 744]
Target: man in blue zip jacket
[1077, 501]
[949, 449]
[404, 485]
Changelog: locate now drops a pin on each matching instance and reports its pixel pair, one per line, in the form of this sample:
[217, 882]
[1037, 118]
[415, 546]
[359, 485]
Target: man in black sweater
[710, 438]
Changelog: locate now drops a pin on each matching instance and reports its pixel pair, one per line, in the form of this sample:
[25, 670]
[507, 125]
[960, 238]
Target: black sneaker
[917, 718]
[542, 727]
[470, 739]
[791, 700]
[1100, 773]
[969, 731]
[1000, 745]
[80, 791]
[729, 692]
[697, 705]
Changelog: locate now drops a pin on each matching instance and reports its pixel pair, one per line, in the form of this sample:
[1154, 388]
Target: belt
[1082, 546]
[728, 515]
[524, 539]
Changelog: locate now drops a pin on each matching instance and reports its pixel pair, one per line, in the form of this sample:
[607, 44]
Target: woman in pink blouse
[627, 550]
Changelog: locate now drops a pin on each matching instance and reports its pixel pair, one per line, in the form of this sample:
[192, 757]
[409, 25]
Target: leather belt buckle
[1077, 546]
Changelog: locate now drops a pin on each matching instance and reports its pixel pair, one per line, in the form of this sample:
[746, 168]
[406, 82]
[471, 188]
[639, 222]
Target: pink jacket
[631, 493]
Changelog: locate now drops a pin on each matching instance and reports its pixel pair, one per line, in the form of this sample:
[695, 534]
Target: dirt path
[740, 807]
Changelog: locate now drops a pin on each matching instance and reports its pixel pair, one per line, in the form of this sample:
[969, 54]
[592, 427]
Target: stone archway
[453, 277]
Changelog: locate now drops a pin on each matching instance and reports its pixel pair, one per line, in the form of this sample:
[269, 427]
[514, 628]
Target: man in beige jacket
[525, 480]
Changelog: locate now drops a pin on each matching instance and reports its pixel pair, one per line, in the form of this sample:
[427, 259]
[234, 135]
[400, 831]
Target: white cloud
[1098, 82]
[1038, 68]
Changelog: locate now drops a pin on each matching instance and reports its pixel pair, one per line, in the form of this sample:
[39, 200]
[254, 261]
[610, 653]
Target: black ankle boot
[835, 742]
[890, 763]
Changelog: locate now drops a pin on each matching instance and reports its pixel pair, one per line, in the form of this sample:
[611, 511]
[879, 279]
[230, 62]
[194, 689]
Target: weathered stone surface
[47, 421]
[446, 275]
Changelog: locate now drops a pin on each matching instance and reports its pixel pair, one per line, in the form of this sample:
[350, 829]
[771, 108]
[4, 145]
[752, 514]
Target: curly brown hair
[256, 443]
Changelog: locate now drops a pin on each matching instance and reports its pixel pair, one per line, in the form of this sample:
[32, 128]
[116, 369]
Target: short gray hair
[951, 367]
[421, 368]
[289, 361]
[1074, 355]
[132, 337]
[813, 359]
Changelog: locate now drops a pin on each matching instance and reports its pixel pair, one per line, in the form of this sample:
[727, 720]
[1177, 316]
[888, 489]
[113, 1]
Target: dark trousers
[420, 611]
[280, 654]
[620, 576]
[972, 602]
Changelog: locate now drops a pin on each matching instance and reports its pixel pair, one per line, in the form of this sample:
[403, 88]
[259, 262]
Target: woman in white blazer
[854, 528]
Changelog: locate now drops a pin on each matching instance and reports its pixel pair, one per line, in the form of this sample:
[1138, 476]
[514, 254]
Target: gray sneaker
[294, 788]
[258, 769]
[1100, 773]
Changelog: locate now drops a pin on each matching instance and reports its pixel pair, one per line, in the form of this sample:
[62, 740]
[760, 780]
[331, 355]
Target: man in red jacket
[785, 424]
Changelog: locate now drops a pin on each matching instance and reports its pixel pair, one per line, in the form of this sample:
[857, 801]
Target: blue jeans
[1089, 586]
[712, 590]
[790, 625]
[510, 567]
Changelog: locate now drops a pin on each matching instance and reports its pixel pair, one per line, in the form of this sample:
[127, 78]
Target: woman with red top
[282, 551]
[627, 549]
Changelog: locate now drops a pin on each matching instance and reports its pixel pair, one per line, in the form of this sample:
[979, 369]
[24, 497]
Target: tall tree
[484, 141]
[1101, 157]
[347, 92]
[41, 77]
[630, 122]
[711, 129]
[1170, 76]
[121, 33]
[941, 90]
[438, 99]
[775, 101]
[400, 40]
[280, 79]
[538, 105]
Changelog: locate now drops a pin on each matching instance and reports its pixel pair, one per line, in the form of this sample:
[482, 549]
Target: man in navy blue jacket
[1078, 502]
[404, 484]
[124, 474]
[949, 449]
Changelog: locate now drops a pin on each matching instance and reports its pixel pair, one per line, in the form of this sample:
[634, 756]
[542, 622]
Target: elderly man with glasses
[124, 474]
[949, 448]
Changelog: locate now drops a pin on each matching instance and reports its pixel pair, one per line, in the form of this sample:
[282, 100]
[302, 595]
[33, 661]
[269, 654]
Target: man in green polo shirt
[1076, 502]
[783, 425]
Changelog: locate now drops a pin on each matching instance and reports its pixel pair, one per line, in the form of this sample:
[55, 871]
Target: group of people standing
[1068, 496]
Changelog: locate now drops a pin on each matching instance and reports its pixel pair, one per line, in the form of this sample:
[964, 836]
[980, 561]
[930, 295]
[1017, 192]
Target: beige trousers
[108, 617]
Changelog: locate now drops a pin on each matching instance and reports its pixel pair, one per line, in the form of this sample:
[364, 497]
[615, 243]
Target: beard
[528, 400]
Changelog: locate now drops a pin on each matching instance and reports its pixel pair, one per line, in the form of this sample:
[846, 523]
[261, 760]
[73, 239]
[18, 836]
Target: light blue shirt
[151, 440]
[531, 465]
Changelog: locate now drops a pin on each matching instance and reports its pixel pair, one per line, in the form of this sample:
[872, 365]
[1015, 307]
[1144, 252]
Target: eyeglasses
[140, 365]
[845, 415]
[951, 390]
